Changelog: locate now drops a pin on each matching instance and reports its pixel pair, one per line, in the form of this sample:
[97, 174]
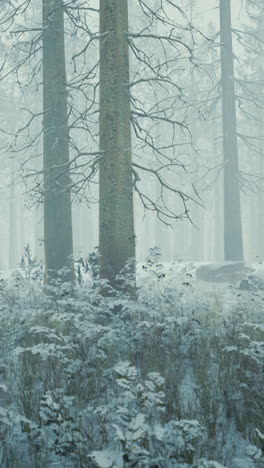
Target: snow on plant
[138, 435]
[31, 266]
[89, 380]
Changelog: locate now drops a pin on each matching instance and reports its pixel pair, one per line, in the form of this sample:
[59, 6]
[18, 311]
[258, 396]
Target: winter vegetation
[174, 379]
[131, 254]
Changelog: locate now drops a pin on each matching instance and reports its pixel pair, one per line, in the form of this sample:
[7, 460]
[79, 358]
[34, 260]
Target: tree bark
[58, 244]
[116, 220]
[233, 243]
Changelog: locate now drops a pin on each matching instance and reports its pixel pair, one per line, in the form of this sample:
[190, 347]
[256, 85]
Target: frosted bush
[157, 384]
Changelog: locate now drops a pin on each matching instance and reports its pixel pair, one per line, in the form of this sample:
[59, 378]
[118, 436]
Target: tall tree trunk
[116, 220]
[58, 243]
[12, 248]
[21, 228]
[260, 195]
[260, 220]
[233, 243]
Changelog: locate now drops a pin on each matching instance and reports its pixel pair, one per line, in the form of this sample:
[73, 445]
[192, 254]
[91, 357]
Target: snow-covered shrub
[133, 418]
[173, 379]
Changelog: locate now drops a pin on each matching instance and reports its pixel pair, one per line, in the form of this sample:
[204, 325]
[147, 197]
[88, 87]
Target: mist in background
[199, 239]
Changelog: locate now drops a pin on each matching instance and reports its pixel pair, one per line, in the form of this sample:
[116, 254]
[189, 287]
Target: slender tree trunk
[21, 229]
[116, 221]
[197, 212]
[218, 238]
[260, 195]
[233, 243]
[12, 248]
[58, 243]
[260, 220]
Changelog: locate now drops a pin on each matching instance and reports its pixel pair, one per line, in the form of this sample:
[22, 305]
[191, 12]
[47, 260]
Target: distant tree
[233, 242]
[234, 98]
[12, 222]
[251, 101]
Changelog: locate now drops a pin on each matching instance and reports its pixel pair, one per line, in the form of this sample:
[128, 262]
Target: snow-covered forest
[132, 234]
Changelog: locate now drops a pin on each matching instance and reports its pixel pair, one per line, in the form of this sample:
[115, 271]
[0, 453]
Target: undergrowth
[174, 379]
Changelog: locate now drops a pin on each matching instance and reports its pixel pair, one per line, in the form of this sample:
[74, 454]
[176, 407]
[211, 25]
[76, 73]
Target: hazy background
[21, 221]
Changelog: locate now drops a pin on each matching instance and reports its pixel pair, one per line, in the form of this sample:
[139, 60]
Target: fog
[199, 238]
[131, 233]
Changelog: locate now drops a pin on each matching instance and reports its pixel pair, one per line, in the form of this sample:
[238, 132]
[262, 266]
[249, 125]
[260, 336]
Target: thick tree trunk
[58, 244]
[233, 243]
[116, 223]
